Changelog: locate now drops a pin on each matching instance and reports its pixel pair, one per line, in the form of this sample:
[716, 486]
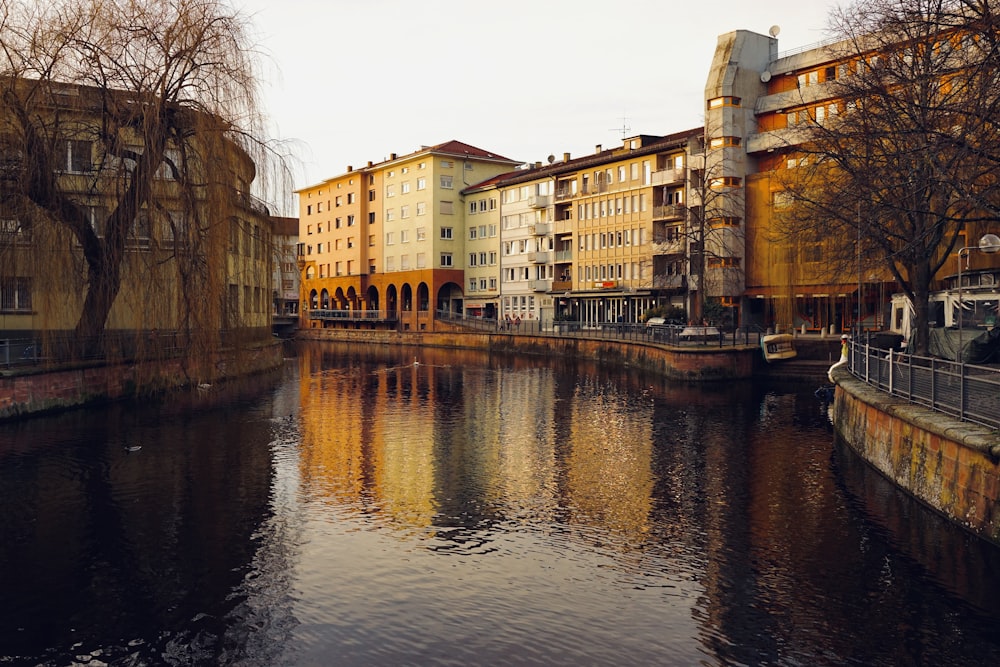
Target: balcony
[563, 255]
[539, 201]
[563, 194]
[541, 229]
[562, 227]
[676, 281]
[672, 247]
[669, 212]
[540, 257]
[562, 285]
[668, 176]
[540, 285]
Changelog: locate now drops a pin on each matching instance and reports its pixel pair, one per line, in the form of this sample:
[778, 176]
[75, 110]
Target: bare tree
[902, 162]
[134, 125]
[715, 234]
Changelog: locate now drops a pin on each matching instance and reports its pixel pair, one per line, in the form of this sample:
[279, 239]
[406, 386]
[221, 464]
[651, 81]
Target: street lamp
[989, 243]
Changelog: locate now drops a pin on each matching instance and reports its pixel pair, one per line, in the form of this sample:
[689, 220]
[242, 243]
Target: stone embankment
[39, 389]
[951, 466]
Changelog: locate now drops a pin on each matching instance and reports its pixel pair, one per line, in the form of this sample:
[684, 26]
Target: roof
[650, 144]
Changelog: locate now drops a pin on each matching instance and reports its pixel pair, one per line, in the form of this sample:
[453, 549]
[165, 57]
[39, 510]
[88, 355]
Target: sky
[351, 81]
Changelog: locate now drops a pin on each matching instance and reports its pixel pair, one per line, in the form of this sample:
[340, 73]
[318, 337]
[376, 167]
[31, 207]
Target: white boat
[778, 346]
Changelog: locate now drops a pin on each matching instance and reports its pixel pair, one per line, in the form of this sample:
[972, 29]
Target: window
[404, 236]
[350, 221]
[447, 208]
[472, 259]
[404, 211]
[15, 294]
[724, 142]
[421, 260]
[390, 191]
[404, 187]
[390, 214]
[446, 233]
[350, 197]
[390, 238]
[472, 233]
[339, 200]
[371, 217]
[493, 258]
[447, 164]
[446, 182]
[421, 233]
[371, 195]
[421, 208]
[74, 156]
[446, 258]
[421, 183]
[472, 208]
[725, 101]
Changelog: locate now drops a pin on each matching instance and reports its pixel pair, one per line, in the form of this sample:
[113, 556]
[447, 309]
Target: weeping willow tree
[902, 166]
[130, 135]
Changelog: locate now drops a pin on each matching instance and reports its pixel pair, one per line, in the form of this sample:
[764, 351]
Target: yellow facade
[201, 265]
[407, 262]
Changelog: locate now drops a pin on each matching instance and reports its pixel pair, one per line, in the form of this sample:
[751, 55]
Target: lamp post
[989, 243]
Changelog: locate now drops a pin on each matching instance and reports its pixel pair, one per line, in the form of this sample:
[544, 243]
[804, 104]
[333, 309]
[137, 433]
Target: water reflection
[475, 509]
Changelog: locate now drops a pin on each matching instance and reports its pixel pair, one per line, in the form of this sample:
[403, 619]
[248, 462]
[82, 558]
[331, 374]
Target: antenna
[624, 129]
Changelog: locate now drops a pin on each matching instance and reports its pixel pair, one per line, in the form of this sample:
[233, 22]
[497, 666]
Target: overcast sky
[355, 80]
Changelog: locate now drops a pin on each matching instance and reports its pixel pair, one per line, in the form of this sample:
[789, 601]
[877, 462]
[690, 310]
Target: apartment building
[398, 257]
[482, 239]
[195, 260]
[285, 275]
[619, 230]
[761, 109]
[526, 245]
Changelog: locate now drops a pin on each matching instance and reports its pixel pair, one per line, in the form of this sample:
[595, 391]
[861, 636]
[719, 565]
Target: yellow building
[402, 260]
[195, 261]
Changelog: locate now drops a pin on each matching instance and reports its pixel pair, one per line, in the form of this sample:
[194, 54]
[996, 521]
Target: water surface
[439, 507]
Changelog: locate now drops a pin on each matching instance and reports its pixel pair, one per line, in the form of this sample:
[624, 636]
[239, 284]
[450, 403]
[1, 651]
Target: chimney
[538, 165]
[370, 163]
[597, 148]
[392, 156]
[349, 169]
[565, 157]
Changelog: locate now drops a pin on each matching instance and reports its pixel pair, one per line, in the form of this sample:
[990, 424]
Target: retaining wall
[951, 466]
[700, 363]
[42, 390]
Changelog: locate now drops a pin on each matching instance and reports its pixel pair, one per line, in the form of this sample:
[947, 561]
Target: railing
[352, 315]
[113, 346]
[966, 391]
[664, 334]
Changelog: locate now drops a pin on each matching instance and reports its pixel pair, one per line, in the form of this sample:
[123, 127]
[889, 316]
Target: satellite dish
[552, 158]
[775, 29]
[989, 243]
[765, 76]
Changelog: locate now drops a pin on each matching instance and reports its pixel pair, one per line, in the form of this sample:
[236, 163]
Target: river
[435, 507]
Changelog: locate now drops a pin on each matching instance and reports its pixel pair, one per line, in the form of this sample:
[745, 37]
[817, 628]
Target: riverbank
[706, 362]
[43, 389]
[951, 466]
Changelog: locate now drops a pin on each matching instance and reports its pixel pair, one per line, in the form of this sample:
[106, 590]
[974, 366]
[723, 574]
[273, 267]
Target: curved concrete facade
[952, 466]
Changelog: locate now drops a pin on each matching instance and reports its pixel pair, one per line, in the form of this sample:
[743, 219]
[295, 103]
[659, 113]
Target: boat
[778, 346]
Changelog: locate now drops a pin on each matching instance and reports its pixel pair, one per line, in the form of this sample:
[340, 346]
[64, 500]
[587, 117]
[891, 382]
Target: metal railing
[664, 334]
[966, 391]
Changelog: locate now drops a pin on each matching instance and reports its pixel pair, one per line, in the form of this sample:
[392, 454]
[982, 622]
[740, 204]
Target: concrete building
[285, 275]
[192, 266]
[399, 257]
